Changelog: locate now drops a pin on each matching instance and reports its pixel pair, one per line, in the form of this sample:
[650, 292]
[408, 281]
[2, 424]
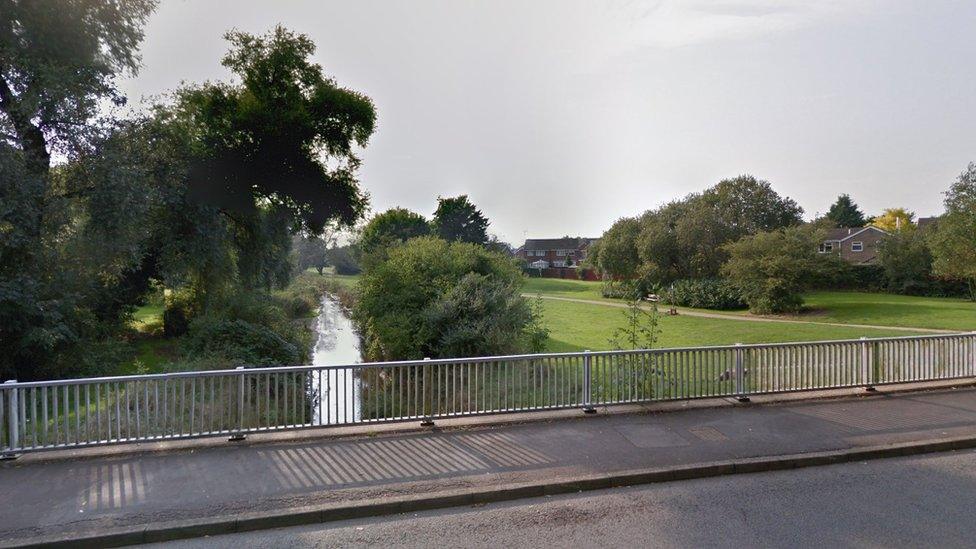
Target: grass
[842, 307]
[576, 289]
[892, 310]
[581, 326]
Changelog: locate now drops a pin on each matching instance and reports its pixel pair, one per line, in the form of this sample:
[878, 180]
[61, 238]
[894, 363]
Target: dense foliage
[200, 195]
[705, 293]
[459, 220]
[393, 226]
[437, 299]
[686, 238]
[845, 213]
[772, 269]
[954, 241]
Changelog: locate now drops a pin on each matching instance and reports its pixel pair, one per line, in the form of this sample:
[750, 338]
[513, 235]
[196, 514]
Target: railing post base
[9, 456]
[236, 437]
[427, 422]
[743, 399]
[589, 410]
[870, 389]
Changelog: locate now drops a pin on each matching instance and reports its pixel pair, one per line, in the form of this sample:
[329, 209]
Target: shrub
[432, 298]
[179, 310]
[772, 269]
[705, 293]
[240, 342]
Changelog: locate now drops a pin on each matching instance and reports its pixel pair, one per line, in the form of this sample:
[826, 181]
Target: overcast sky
[558, 117]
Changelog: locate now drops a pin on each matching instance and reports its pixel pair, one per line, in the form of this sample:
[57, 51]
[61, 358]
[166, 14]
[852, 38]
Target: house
[544, 253]
[857, 245]
[927, 223]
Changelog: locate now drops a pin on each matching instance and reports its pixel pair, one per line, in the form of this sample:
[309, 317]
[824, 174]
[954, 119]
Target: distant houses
[856, 245]
[556, 257]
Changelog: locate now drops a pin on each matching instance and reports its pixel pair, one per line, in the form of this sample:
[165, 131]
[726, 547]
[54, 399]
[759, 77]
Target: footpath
[130, 495]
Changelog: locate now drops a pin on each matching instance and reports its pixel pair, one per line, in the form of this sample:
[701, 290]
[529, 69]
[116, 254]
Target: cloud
[679, 23]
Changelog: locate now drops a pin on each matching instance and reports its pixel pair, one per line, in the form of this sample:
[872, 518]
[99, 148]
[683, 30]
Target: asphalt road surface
[921, 501]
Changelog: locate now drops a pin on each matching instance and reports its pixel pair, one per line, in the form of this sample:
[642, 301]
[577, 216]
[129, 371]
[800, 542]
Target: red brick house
[857, 245]
[544, 253]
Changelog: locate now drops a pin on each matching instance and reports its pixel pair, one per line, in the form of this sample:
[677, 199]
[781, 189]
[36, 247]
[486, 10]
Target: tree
[58, 61]
[439, 299]
[459, 220]
[954, 240]
[616, 254]
[284, 137]
[343, 260]
[907, 262]
[310, 253]
[772, 269]
[686, 238]
[393, 226]
[845, 213]
[894, 219]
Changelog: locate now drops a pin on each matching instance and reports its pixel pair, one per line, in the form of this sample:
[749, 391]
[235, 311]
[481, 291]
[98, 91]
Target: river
[337, 344]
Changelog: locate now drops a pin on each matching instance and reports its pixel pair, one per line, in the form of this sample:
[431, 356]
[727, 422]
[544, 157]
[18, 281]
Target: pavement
[45, 498]
[921, 501]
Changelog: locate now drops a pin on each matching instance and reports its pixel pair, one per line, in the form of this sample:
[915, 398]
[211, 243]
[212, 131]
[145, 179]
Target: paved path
[749, 318]
[924, 501]
[85, 495]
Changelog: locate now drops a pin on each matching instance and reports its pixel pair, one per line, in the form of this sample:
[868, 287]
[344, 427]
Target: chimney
[848, 230]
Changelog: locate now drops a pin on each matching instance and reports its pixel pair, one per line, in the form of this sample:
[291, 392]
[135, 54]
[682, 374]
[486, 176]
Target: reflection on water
[337, 344]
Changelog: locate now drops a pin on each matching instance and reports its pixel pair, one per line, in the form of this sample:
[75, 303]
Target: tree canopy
[954, 240]
[285, 136]
[894, 219]
[390, 227]
[459, 220]
[686, 238]
[845, 213]
[772, 269]
[58, 60]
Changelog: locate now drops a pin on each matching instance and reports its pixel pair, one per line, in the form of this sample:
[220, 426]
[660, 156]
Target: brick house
[857, 245]
[543, 253]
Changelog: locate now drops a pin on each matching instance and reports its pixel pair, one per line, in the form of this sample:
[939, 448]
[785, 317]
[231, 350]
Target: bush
[179, 310]
[438, 299]
[706, 293]
[621, 289]
[772, 269]
[240, 342]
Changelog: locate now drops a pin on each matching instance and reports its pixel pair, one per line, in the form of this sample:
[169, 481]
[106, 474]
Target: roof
[566, 243]
[924, 222]
[843, 233]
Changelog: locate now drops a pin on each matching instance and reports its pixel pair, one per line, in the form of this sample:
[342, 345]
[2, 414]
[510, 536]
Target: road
[921, 501]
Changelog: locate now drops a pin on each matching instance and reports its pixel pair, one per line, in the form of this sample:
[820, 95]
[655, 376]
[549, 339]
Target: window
[826, 247]
[857, 246]
[562, 253]
[558, 263]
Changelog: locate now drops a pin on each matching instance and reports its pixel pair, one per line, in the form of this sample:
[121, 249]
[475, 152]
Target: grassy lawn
[842, 307]
[577, 289]
[580, 326]
[891, 310]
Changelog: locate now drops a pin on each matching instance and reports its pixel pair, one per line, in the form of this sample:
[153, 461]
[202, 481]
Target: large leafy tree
[286, 135]
[458, 219]
[845, 213]
[954, 240]
[58, 60]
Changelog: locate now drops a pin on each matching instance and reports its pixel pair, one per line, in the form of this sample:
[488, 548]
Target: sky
[557, 117]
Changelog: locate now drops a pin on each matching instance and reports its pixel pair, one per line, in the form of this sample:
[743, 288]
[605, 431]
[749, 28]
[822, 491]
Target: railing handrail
[459, 360]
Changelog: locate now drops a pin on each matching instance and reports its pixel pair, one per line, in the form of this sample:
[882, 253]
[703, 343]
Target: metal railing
[82, 412]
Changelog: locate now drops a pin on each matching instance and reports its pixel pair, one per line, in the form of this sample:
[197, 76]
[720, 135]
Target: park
[268, 279]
